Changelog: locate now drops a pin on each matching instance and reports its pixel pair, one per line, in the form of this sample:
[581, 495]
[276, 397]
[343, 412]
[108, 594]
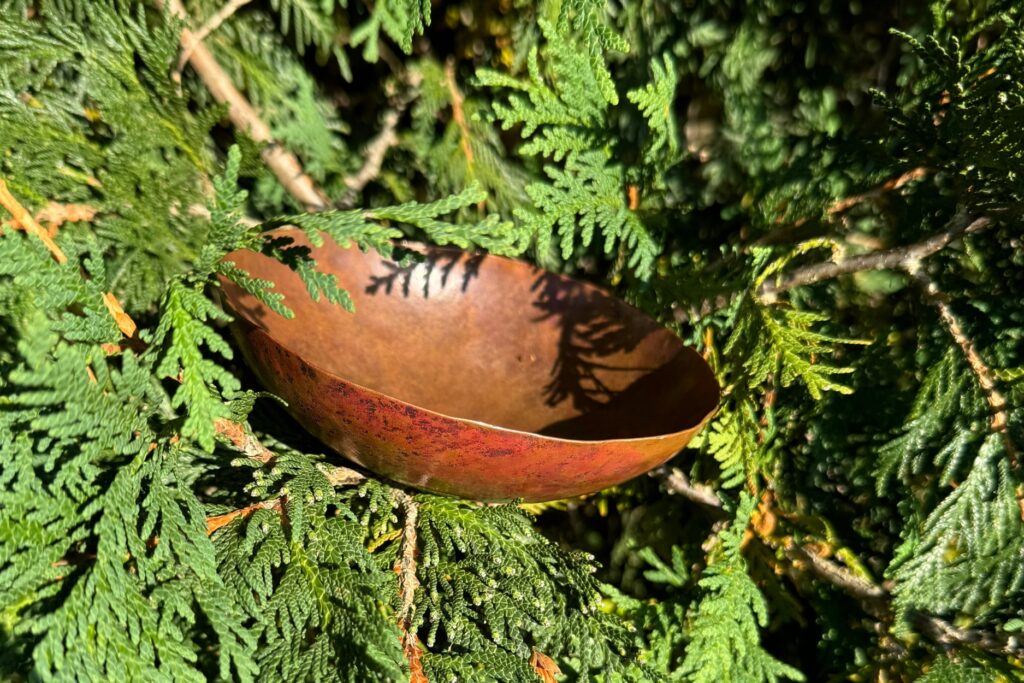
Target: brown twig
[677, 483]
[842, 205]
[835, 574]
[887, 186]
[283, 163]
[986, 378]
[55, 215]
[123, 320]
[218, 521]
[900, 257]
[25, 220]
[949, 636]
[458, 114]
[251, 447]
[211, 25]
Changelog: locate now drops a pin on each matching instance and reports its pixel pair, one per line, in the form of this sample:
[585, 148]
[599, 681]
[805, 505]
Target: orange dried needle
[25, 220]
[123, 320]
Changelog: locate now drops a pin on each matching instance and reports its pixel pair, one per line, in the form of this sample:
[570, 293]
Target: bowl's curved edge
[436, 452]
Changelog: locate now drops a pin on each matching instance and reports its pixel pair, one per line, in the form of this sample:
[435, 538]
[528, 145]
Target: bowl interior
[488, 339]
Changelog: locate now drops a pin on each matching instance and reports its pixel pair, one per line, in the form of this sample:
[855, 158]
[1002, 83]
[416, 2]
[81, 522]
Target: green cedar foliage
[691, 159]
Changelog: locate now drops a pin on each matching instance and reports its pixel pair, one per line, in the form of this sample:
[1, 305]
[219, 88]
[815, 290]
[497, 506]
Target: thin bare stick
[844, 204]
[833, 573]
[123, 320]
[887, 186]
[986, 378]
[676, 482]
[283, 163]
[25, 220]
[373, 157]
[211, 25]
[341, 476]
[900, 257]
[949, 636]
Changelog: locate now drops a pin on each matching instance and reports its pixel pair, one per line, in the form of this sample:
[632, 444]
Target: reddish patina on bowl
[474, 375]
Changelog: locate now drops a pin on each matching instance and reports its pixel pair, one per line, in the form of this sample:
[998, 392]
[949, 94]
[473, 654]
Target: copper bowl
[474, 375]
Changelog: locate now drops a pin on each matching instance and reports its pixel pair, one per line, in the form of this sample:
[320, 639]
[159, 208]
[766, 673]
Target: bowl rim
[470, 421]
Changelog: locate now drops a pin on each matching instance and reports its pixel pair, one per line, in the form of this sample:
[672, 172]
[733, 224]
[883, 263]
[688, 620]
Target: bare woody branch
[401, 94]
[211, 25]
[219, 521]
[986, 378]
[250, 446]
[408, 583]
[407, 579]
[373, 157]
[898, 258]
[844, 204]
[242, 440]
[835, 574]
[888, 186]
[677, 483]
[283, 163]
[949, 636]
[872, 596]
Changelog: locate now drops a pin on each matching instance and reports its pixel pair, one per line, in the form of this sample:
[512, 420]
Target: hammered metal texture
[474, 375]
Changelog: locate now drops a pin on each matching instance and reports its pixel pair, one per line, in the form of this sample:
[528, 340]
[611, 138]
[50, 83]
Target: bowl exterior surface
[443, 454]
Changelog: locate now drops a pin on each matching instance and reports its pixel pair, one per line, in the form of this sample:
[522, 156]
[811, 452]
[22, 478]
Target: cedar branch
[283, 163]
[408, 583]
[900, 257]
[872, 596]
[407, 580]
